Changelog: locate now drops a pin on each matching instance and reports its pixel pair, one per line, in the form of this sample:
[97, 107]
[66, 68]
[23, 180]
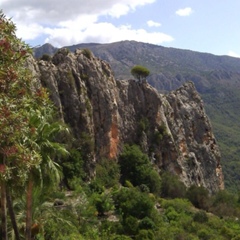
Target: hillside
[85, 157]
[158, 189]
[217, 79]
[172, 129]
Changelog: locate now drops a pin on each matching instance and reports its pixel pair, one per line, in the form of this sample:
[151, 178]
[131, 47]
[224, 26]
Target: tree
[172, 187]
[15, 89]
[136, 167]
[43, 141]
[27, 128]
[140, 72]
[198, 196]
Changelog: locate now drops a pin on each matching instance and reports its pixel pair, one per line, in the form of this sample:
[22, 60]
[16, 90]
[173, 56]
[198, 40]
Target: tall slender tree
[27, 132]
[14, 88]
[43, 140]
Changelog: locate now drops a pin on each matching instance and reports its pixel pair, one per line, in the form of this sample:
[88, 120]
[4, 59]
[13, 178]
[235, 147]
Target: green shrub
[87, 53]
[131, 202]
[204, 234]
[103, 202]
[224, 196]
[72, 168]
[143, 125]
[107, 172]
[172, 214]
[200, 217]
[135, 167]
[130, 225]
[179, 204]
[145, 235]
[171, 186]
[159, 134]
[198, 196]
[144, 188]
[95, 187]
[147, 223]
[46, 57]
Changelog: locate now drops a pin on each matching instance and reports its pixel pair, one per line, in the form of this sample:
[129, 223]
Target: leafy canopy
[140, 72]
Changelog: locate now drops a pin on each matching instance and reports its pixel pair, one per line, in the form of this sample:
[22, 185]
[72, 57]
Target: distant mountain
[44, 49]
[217, 79]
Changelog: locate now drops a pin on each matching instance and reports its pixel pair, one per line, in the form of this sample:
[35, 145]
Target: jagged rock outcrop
[172, 129]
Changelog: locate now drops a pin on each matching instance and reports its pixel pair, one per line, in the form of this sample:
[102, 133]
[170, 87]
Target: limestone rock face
[172, 129]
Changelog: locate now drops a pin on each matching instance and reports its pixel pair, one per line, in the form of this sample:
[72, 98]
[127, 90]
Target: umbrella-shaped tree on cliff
[140, 72]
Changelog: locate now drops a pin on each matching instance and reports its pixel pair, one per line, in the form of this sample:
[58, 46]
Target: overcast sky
[211, 26]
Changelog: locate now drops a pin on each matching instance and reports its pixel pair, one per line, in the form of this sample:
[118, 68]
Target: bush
[203, 234]
[198, 196]
[107, 173]
[172, 187]
[179, 204]
[172, 214]
[72, 168]
[87, 53]
[200, 217]
[145, 235]
[46, 57]
[103, 203]
[136, 167]
[131, 202]
[147, 223]
[224, 196]
[225, 204]
[133, 165]
[130, 225]
[159, 134]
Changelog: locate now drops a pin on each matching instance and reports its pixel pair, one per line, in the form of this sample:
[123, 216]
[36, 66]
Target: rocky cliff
[172, 129]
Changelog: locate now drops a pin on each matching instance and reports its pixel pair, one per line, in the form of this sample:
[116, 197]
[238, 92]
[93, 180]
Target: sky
[211, 26]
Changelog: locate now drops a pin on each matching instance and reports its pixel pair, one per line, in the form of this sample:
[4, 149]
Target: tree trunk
[4, 210]
[29, 208]
[12, 215]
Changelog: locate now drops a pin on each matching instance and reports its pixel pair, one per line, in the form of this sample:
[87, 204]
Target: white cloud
[96, 32]
[183, 12]
[233, 54]
[30, 31]
[151, 23]
[62, 10]
[63, 23]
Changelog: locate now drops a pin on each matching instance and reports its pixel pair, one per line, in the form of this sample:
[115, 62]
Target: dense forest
[46, 194]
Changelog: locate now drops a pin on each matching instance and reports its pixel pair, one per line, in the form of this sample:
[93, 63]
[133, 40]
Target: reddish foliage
[2, 168]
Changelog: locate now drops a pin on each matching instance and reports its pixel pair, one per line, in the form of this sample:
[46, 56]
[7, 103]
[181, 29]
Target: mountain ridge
[217, 79]
[172, 129]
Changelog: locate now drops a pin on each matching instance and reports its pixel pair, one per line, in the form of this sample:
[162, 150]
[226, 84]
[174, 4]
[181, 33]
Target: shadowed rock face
[172, 129]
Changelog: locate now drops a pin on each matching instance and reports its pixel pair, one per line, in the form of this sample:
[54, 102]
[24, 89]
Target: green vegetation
[46, 57]
[127, 199]
[216, 78]
[28, 146]
[140, 72]
[223, 110]
[87, 53]
[143, 125]
[136, 168]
